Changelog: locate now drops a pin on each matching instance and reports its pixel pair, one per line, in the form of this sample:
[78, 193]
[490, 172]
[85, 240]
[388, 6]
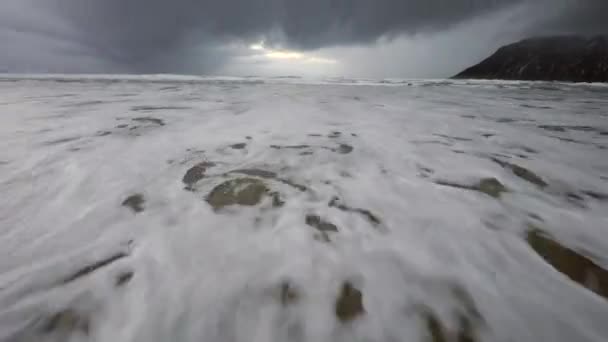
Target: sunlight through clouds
[287, 55]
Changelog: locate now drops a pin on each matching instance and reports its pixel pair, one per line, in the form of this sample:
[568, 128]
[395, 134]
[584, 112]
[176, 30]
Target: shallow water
[208, 209]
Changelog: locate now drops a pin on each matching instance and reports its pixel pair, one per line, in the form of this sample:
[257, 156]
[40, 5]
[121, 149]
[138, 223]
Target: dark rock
[559, 58]
[349, 304]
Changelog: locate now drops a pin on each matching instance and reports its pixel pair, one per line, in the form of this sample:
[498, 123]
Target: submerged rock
[67, 322]
[288, 294]
[465, 331]
[135, 203]
[373, 219]
[349, 304]
[574, 265]
[321, 225]
[123, 278]
[239, 191]
[344, 149]
[489, 186]
[195, 174]
[522, 173]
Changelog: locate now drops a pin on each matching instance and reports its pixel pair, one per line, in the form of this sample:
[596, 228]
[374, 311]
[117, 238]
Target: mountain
[557, 58]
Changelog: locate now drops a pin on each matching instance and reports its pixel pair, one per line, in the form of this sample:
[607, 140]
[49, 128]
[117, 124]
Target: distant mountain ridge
[556, 58]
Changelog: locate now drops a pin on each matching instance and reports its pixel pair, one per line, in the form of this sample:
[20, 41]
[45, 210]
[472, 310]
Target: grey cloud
[191, 35]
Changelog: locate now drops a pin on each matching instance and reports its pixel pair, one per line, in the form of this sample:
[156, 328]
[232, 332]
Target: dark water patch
[602, 197]
[238, 146]
[344, 149]
[169, 88]
[450, 137]
[135, 203]
[156, 108]
[349, 304]
[334, 135]
[289, 147]
[103, 133]
[469, 320]
[489, 186]
[576, 266]
[149, 119]
[506, 120]
[293, 184]
[239, 191]
[123, 278]
[525, 105]
[288, 294]
[526, 149]
[582, 128]
[195, 174]
[553, 128]
[522, 173]
[84, 104]
[469, 116]
[248, 137]
[94, 267]
[61, 141]
[277, 201]
[488, 135]
[122, 126]
[576, 199]
[354, 135]
[306, 153]
[424, 172]
[315, 135]
[431, 142]
[373, 219]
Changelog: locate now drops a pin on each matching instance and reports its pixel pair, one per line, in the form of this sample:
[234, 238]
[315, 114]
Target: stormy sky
[358, 38]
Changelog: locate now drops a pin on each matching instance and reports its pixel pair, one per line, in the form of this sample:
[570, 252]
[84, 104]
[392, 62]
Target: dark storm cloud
[188, 35]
